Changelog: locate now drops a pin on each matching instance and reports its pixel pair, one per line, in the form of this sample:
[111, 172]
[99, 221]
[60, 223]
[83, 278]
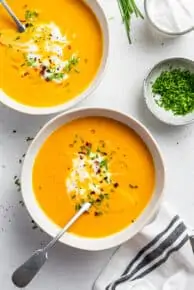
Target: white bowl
[10, 102]
[166, 116]
[78, 241]
[158, 29]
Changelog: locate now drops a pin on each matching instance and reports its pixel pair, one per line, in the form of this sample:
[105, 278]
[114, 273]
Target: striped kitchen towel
[158, 258]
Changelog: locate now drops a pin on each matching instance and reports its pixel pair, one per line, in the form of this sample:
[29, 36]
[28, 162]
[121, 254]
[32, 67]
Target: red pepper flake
[81, 152]
[42, 70]
[69, 47]
[97, 213]
[89, 144]
[133, 186]
[26, 74]
[115, 184]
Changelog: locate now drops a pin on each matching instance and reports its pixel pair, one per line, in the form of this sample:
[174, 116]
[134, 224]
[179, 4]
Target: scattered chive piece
[103, 163]
[77, 206]
[29, 139]
[30, 62]
[30, 15]
[73, 61]
[56, 76]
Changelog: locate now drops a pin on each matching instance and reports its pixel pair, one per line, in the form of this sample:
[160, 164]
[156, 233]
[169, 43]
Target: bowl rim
[163, 31]
[145, 84]
[93, 244]
[100, 15]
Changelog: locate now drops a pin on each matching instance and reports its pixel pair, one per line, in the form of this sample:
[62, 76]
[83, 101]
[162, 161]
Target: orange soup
[98, 160]
[57, 56]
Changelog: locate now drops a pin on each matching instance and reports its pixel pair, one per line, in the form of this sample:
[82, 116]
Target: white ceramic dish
[77, 241]
[8, 101]
[160, 113]
[162, 32]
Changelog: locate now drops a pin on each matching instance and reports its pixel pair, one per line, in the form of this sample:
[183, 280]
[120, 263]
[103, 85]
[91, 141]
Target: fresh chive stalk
[127, 8]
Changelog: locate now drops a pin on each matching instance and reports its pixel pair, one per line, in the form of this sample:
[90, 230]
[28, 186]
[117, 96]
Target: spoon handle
[26, 272]
[84, 208]
[20, 26]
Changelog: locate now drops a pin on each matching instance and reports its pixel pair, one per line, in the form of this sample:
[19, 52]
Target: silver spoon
[26, 272]
[20, 26]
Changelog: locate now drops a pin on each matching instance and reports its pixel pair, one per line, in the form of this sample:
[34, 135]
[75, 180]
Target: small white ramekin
[163, 32]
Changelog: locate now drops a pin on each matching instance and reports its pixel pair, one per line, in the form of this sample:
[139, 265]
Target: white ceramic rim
[172, 34]
[185, 120]
[98, 11]
[52, 229]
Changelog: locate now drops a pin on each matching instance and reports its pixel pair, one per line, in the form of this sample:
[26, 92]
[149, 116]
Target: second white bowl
[78, 241]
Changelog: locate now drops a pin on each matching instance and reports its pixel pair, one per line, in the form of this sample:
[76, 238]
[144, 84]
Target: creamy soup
[56, 58]
[98, 160]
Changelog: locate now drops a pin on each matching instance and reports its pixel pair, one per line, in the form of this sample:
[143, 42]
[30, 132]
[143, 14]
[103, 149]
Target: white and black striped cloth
[158, 258]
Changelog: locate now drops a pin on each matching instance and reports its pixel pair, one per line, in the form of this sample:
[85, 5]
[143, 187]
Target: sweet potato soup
[57, 56]
[98, 160]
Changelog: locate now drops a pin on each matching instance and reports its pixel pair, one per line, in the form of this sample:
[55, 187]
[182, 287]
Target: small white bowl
[10, 102]
[166, 116]
[78, 241]
[157, 28]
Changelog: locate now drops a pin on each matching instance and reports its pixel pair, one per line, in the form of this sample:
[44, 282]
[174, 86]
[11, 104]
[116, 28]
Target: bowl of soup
[59, 59]
[97, 155]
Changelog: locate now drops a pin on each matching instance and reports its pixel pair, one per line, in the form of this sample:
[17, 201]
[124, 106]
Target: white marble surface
[121, 88]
